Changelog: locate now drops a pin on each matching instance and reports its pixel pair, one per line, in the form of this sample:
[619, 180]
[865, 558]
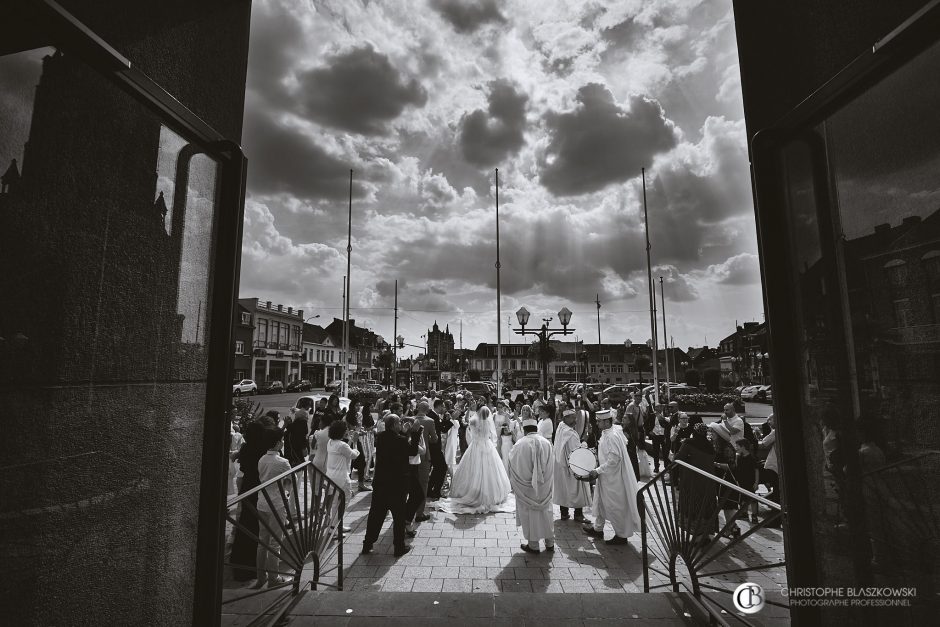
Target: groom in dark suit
[390, 485]
[438, 465]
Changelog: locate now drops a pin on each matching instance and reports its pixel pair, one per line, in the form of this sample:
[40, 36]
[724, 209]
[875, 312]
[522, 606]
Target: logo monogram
[749, 598]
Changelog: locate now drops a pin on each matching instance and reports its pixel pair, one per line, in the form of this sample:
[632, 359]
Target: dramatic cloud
[422, 98]
[358, 90]
[283, 159]
[743, 269]
[600, 142]
[466, 16]
[488, 137]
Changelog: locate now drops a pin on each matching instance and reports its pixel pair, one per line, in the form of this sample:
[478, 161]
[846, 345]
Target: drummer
[569, 492]
[615, 493]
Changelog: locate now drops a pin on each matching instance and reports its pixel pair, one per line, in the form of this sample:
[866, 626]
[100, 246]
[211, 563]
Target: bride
[480, 482]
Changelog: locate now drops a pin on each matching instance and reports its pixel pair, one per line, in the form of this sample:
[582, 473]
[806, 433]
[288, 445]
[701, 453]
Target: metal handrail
[309, 532]
[674, 526]
[727, 484]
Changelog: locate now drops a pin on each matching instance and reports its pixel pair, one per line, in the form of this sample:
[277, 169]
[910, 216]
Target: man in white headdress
[615, 492]
[531, 466]
[569, 492]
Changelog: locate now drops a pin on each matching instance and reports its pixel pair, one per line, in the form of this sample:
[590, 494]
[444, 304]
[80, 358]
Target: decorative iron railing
[302, 525]
[679, 513]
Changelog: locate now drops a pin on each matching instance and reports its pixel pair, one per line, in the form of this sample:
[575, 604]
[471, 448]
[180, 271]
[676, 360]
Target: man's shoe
[364, 488]
[566, 517]
[402, 551]
[366, 549]
[580, 519]
[591, 531]
[550, 548]
[617, 540]
[410, 533]
[529, 549]
[422, 518]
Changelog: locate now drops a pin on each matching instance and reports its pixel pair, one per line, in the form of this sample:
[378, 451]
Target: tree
[692, 377]
[385, 361]
[712, 377]
[643, 364]
[535, 352]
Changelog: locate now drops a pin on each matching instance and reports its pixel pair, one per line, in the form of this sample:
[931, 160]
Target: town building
[244, 334]
[744, 357]
[276, 341]
[321, 356]
[440, 347]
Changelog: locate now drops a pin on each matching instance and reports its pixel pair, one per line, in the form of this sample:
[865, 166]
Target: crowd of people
[470, 453]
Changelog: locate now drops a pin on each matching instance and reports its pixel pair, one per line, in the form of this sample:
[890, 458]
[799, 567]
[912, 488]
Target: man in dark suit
[416, 509]
[390, 485]
[438, 465]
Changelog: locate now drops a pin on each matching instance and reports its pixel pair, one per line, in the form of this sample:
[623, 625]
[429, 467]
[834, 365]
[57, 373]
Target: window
[246, 318]
[593, 368]
[239, 347]
[263, 331]
[615, 368]
[512, 364]
[896, 271]
[902, 313]
[931, 263]
[605, 358]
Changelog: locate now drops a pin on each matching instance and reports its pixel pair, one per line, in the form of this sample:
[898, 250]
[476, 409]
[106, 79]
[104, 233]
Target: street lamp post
[564, 316]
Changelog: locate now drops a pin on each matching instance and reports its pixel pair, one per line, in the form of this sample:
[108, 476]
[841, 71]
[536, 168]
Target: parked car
[750, 392]
[374, 387]
[618, 393]
[478, 387]
[271, 387]
[245, 386]
[307, 403]
[299, 385]
[334, 385]
[763, 393]
[683, 390]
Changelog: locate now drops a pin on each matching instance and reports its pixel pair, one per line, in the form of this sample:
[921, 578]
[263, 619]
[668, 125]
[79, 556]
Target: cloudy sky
[569, 99]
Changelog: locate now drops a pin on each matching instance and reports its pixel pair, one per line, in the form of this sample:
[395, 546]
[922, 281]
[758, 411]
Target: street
[754, 413]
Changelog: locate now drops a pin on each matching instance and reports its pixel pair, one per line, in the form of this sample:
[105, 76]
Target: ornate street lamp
[564, 316]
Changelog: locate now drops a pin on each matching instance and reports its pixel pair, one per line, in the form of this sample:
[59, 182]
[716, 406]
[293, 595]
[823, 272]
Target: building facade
[244, 341]
[744, 356]
[276, 342]
[321, 356]
[441, 347]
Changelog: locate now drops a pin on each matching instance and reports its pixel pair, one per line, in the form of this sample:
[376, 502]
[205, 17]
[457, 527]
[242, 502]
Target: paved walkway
[481, 553]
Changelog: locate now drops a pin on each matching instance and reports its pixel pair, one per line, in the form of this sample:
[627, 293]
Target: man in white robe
[531, 466]
[615, 492]
[569, 492]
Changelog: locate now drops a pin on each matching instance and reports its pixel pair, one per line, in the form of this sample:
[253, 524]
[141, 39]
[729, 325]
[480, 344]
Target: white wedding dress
[480, 483]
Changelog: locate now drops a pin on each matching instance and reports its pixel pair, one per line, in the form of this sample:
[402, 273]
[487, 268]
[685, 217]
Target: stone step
[351, 608]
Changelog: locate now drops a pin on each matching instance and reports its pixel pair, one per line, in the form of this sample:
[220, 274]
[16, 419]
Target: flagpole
[395, 340]
[499, 313]
[662, 299]
[347, 292]
[652, 291]
[600, 359]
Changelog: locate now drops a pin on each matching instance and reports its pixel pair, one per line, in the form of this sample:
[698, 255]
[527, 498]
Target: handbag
[643, 460]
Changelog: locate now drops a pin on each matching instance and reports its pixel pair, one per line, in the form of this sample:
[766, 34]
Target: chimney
[881, 228]
[280, 307]
[911, 220]
[269, 304]
[300, 312]
[290, 310]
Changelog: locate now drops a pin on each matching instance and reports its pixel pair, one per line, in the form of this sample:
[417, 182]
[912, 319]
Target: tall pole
[662, 300]
[600, 360]
[652, 290]
[343, 352]
[499, 312]
[395, 339]
[348, 290]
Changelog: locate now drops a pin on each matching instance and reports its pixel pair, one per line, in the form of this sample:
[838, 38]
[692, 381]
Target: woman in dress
[367, 438]
[504, 424]
[480, 481]
[339, 460]
[354, 431]
[452, 444]
[698, 502]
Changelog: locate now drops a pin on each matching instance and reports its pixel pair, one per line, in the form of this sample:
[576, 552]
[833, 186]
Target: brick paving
[481, 553]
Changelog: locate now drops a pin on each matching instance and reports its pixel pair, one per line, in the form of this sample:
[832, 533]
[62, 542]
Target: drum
[582, 461]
